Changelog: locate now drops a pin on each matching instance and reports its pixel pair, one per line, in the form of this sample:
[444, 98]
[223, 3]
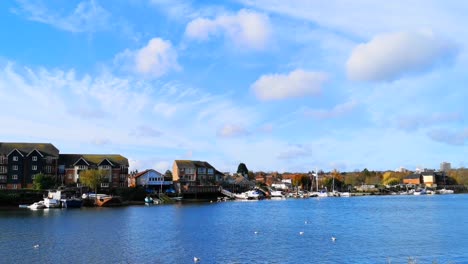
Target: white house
[151, 179]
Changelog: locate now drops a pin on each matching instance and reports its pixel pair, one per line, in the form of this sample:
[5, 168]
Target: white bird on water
[333, 238]
[36, 246]
[195, 259]
[301, 233]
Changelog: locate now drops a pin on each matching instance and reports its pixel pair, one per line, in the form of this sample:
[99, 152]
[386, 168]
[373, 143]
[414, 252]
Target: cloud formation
[336, 111]
[390, 56]
[88, 16]
[297, 83]
[155, 59]
[247, 29]
[449, 137]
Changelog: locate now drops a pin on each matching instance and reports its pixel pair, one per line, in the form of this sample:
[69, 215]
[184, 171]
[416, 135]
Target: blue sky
[279, 85]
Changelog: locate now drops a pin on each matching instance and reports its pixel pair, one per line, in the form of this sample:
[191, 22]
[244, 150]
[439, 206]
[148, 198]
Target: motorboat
[276, 194]
[445, 191]
[420, 192]
[248, 195]
[72, 202]
[52, 200]
[37, 205]
[149, 200]
[345, 194]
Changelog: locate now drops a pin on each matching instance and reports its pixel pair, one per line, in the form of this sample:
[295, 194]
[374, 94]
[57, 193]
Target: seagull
[301, 233]
[36, 246]
[305, 222]
[256, 232]
[333, 238]
[195, 259]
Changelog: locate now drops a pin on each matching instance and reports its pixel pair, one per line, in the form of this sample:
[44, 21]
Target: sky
[285, 86]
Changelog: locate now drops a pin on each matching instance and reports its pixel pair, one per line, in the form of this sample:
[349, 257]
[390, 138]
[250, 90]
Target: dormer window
[34, 158]
[15, 158]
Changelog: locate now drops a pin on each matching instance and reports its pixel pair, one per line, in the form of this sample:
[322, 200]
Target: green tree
[42, 182]
[242, 169]
[92, 178]
[168, 175]
[251, 175]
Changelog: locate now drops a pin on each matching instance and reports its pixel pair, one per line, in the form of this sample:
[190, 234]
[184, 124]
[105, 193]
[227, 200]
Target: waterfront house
[115, 168]
[414, 178]
[20, 162]
[429, 178]
[150, 179]
[194, 172]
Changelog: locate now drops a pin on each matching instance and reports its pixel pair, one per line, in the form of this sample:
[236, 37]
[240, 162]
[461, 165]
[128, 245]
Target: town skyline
[285, 87]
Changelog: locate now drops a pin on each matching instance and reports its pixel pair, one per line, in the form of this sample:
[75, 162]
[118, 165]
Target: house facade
[115, 168]
[414, 178]
[20, 162]
[194, 172]
[150, 179]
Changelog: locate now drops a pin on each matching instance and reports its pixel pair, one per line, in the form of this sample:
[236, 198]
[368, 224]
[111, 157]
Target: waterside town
[21, 163]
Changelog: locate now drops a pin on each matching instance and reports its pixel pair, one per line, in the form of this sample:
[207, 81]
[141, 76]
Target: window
[15, 186]
[123, 177]
[15, 158]
[34, 158]
[201, 170]
[105, 167]
[210, 171]
[123, 184]
[3, 177]
[15, 167]
[105, 185]
[2, 186]
[48, 169]
[82, 167]
[14, 177]
[34, 167]
[3, 169]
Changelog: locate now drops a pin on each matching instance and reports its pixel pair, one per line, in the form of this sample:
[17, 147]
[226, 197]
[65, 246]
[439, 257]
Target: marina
[366, 229]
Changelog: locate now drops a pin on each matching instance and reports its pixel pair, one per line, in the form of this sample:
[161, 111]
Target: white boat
[37, 205]
[345, 194]
[53, 199]
[248, 195]
[420, 192]
[276, 195]
[445, 191]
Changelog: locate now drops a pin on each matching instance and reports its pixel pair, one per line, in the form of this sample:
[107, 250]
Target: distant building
[414, 178]
[445, 166]
[429, 178]
[20, 162]
[114, 166]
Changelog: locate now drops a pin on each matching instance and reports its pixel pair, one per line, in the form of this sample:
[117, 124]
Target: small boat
[149, 200]
[248, 195]
[53, 199]
[345, 194]
[108, 200]
[37, 205]
[420, 192]
[445, 191]
[276, 195]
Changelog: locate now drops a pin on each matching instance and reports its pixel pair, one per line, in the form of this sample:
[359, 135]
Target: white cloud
[231, 130]
[297, 83]
[88, 16]
[247, 29]
[336, 111]
[449, 137]
[155, 59]
[390, 56]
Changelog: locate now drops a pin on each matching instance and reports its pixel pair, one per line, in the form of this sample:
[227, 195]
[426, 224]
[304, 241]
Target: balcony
[105, 185]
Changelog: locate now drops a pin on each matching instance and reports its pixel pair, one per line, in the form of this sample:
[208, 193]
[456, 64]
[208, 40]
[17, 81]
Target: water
[377, 229]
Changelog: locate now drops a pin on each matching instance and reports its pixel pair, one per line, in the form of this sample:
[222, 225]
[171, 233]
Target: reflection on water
[368, 230]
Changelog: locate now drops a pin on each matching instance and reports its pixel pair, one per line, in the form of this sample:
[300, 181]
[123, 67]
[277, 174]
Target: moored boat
[445, 191]
[108, 200]
[37, 205]
[72, 203]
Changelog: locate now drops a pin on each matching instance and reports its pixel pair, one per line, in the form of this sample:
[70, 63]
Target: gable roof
[413, 176]
[46, 149]
[93, 159]
[144, 172]
[196, 164]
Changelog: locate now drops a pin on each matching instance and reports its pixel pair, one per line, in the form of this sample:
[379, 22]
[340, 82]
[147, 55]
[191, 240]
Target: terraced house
[20, 162]
[194, 172]
[114, 166]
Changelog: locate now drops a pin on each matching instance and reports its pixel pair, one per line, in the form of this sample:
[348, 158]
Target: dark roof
[413, 176]
[196, 163]
[46, 149]
[94, 159]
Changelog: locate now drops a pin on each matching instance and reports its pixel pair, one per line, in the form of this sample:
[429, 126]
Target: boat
[37, 205]
[72, 202]
[248, 195]
[420, 192]
[445, 191]
[108, 200]
[276, 194]
[345, 194]
[53, 199]
[149, 200]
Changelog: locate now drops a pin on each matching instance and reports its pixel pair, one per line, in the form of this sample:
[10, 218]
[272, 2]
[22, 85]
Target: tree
[42, 182]
[242, 169]
[92, 178]
[168, 175]
[251, 175]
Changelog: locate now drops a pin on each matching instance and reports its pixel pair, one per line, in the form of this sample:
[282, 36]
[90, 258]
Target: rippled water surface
[377, 229]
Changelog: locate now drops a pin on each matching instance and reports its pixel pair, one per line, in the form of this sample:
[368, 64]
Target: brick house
[115, 167]
[414, 178]
[194, 172]
[20, 162]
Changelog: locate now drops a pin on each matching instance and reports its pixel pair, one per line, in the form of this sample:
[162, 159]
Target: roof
[47, 149]
[413, 176]
[94, 159]
[144, 172]
[196, 163]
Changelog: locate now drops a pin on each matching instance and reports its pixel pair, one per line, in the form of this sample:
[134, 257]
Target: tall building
[21, 162]
[445, 166]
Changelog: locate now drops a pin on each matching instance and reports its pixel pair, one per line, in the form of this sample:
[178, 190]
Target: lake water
[372, 229]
